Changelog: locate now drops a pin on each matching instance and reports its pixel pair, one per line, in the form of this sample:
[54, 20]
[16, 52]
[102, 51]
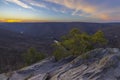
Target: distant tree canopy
[76, 43]
[32, 56]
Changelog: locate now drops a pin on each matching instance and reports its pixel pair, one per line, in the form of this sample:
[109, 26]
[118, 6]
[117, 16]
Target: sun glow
[20, 21]
[13, 20]
[10, 20]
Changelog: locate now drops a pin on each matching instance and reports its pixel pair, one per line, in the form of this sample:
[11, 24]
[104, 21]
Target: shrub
[32, 56]
[76, 43]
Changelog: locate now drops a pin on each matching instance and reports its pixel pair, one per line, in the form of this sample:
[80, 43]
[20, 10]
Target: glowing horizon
[17, 20]
[59, 11]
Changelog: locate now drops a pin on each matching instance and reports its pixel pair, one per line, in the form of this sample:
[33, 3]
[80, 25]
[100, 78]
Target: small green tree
[32, 56]
[98, 38]
[76, 43]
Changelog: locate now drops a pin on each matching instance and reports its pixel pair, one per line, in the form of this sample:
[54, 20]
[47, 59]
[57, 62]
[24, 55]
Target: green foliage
[60, 52]
[32, 56]
[76, 43]
[98, 38]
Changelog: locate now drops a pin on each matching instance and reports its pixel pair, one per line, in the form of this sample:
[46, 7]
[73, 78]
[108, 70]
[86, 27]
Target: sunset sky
[59, 10]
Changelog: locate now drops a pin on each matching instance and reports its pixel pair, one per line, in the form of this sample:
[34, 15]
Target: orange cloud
[104, 16]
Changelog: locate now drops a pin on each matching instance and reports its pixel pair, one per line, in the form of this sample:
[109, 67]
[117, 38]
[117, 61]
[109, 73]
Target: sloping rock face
[100, 64]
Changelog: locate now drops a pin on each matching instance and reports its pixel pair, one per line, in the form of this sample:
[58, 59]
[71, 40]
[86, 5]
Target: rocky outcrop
[100, 64]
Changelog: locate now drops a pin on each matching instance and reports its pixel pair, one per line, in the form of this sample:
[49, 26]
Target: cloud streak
[35, 3]
[20, 3]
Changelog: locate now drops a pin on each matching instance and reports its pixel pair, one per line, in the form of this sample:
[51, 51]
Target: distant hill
[50, 29]
[56, 29]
